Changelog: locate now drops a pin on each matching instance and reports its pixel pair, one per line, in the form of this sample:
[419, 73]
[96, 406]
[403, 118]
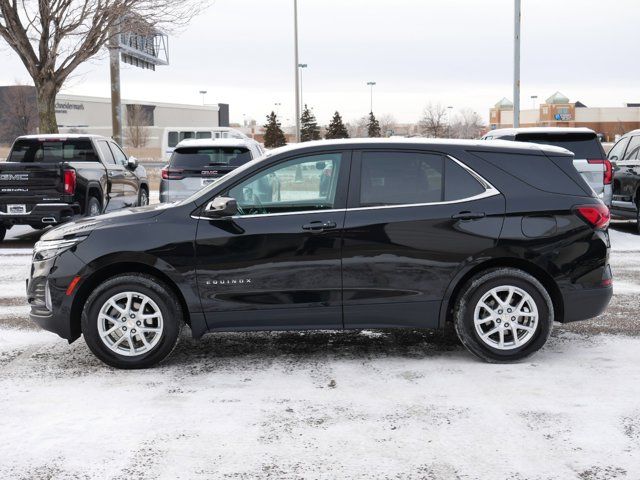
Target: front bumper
[41, 214]
[52, 278]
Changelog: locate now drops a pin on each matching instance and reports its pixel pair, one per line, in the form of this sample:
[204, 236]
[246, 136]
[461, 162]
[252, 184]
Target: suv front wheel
[132, 321]
[503, 315]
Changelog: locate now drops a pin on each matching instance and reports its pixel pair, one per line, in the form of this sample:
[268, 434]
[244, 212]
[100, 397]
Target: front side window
[107, 156]
[303, 184]
[632, 150]
[118, 154]
[618, 149]
[396, 178]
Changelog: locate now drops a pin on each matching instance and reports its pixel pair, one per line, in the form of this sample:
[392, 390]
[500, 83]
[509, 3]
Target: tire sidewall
[143, 194]
[478, 287]
[161, 295]
[93, 201]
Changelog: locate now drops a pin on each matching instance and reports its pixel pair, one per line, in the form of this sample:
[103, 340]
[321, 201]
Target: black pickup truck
[51, 179]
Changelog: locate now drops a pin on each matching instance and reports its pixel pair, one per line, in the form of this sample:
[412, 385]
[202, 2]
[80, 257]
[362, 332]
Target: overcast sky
[456, 52]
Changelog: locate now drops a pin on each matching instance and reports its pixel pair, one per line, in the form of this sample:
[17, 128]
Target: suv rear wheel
[132, 321]
[503, 315]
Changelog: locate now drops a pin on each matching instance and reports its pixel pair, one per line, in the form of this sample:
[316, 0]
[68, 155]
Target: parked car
[499, 238]
[590, 159]
[197, 163]
[625, 158]
[51, 179]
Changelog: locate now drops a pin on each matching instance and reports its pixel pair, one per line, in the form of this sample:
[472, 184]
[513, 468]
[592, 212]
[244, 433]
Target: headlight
[45, 249]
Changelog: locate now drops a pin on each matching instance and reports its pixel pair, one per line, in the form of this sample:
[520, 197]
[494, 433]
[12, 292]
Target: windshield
[35, 150]
[583, 145]
[198, 157]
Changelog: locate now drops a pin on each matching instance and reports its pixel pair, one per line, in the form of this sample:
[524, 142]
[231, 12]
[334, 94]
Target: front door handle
[468, 215]
[319, 226]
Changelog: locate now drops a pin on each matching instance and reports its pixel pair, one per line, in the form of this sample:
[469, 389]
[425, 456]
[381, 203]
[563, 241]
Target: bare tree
[19, 113]
[467, 124]
[433, 122]
[138, 120]
[53, 37]
[387, 124]
[358, 128]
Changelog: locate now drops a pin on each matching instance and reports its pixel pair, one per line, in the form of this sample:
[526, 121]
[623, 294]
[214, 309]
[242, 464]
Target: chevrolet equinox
[499, 238]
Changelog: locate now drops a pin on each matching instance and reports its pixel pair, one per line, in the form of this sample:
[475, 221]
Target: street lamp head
[302, 65]
[371, 83]
[203, 92]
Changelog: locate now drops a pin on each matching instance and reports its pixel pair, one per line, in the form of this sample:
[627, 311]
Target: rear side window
[198, 157]
[106, 153]
[397, 178]
[583, 145]
[52, 151]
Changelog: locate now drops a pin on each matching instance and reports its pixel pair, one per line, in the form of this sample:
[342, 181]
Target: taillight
[171, 173]
[608, 170]
[69, 182]
[596, 215]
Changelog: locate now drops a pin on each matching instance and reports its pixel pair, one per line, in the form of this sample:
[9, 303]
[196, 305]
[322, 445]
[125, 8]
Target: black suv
[499, 238]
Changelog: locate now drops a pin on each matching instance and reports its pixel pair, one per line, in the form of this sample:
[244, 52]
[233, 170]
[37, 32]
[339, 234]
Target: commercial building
[558, 111]
[145, 121]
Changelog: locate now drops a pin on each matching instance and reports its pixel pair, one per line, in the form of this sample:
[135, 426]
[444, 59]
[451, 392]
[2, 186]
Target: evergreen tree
[273, 135]
[336, 128]
[309, 129]
[373, 127]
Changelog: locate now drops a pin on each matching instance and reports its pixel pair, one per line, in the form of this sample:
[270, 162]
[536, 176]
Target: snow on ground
[390, 404]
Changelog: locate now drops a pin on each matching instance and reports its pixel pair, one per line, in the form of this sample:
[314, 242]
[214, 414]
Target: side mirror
[132, 163]
[221, 207]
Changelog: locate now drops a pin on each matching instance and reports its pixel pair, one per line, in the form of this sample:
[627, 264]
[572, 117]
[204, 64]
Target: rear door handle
[468, 215]
[319, 226]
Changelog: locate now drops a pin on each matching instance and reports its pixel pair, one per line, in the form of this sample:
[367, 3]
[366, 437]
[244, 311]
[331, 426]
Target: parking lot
[383, 404]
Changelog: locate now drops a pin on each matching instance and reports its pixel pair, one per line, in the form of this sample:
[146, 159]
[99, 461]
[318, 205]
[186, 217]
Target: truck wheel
[503, 315]
[93, 207]
[3, 232]
[143, 197]
[132, 321]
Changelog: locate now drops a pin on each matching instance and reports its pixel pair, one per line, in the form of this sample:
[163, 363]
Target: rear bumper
[585, 303]
[41, 214]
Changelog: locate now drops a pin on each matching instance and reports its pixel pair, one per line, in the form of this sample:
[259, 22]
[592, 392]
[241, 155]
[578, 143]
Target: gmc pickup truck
[51, 179]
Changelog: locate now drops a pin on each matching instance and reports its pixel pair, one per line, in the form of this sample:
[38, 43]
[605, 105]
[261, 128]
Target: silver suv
[197, 163]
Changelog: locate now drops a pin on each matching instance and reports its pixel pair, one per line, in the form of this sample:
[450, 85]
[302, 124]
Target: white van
[171, 136]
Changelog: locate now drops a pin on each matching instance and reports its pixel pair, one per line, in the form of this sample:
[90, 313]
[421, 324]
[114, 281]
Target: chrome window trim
[490, 191]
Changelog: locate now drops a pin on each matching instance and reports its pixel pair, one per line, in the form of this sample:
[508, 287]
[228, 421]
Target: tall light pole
[277, 105]
[296, 62]
[533, 101]
[301, 66]
[516, 65]
[203, 93]
[371, 84]
[449, 110]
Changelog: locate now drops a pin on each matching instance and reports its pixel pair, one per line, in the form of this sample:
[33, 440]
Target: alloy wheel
[506, 317]
[130, 324]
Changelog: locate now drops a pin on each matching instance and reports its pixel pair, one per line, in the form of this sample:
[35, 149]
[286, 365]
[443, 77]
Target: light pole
[449, 110]
[203, 93]
[533, 101]
[301, 66]
[277, 105]
[371, 84]
[516, 64]
[296, 63]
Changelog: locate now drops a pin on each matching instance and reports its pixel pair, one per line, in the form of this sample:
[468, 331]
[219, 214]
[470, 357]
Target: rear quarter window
[583, 145]
[537, 171]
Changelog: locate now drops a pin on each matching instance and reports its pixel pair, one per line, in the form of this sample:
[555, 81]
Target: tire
[93, 207]
[111, 348]
[638, 217]
[533, 330]
[3, 232]
[143, 197]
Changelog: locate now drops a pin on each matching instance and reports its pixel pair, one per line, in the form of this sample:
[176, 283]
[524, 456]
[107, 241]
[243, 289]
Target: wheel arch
[111, 270]
[93, 190]
[455, 287]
